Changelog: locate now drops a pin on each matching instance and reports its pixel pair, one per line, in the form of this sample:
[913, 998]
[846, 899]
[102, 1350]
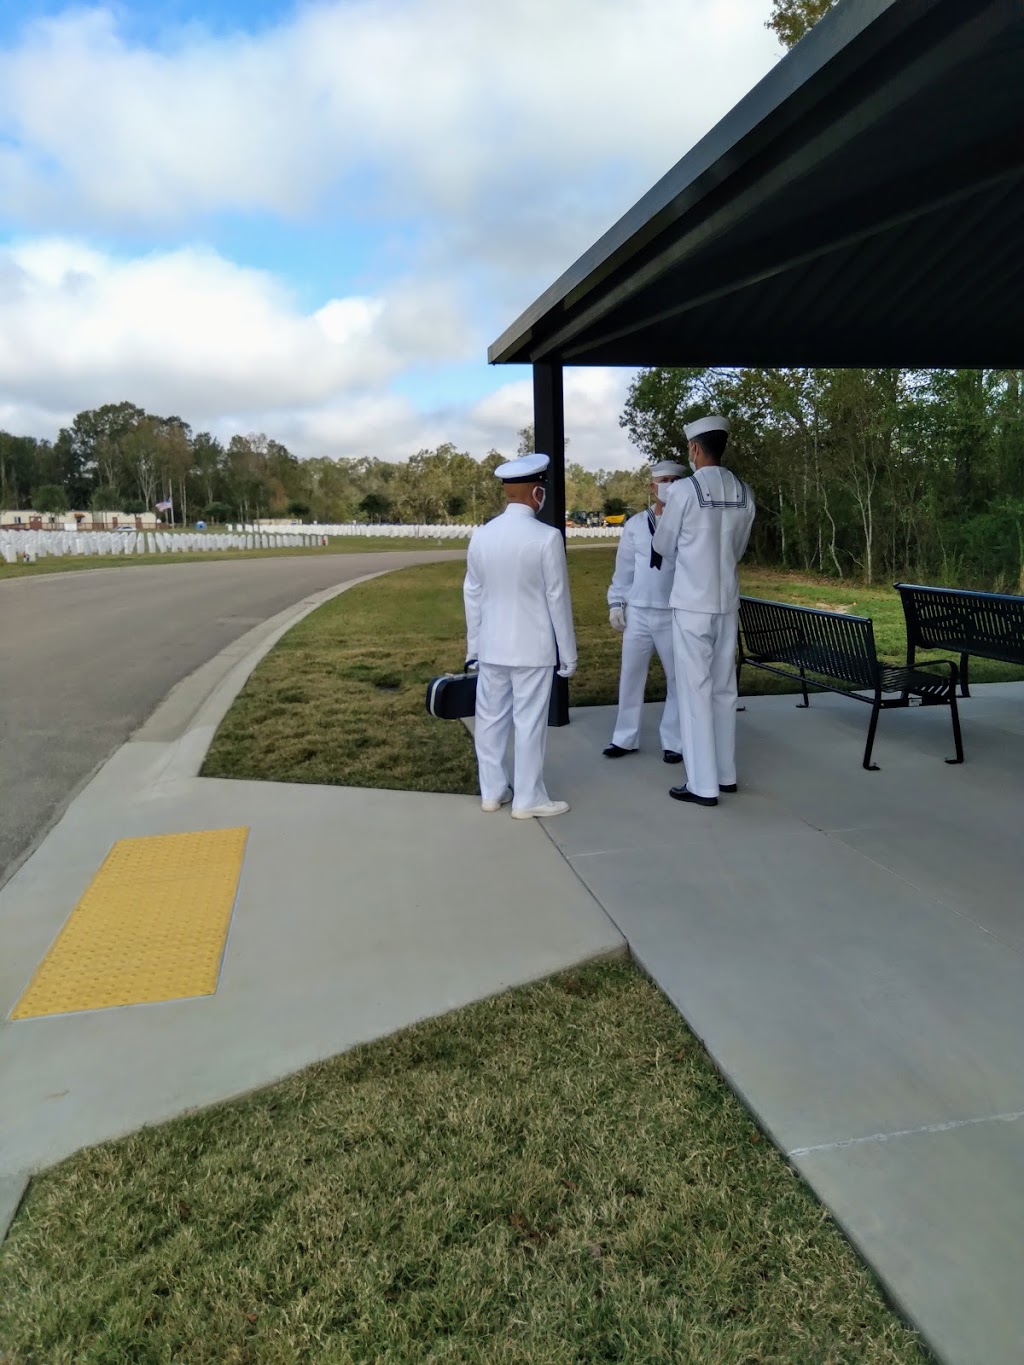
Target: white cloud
[489, 143]
[507, 122]
[190, 332]
[391, 427]
[594, 399]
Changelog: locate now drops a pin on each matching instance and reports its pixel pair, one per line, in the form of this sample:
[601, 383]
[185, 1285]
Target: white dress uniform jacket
[706, 524]
[634, 582]
[707, 520]
[644, 591]
[518, 610]
[518, 625]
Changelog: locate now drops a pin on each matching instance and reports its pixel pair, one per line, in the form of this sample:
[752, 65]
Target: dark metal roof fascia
[841, 42]
[776, 177]
[782, 262]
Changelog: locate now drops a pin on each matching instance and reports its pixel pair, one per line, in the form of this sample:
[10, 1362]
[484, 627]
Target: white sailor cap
[706, 424]
[667, 469]
[527, 469]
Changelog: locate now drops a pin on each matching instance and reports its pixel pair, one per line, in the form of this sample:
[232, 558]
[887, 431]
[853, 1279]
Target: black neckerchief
[652, 522]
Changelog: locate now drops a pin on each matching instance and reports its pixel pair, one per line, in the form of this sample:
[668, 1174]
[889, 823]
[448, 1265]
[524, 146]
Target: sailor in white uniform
[518, 626]
[707, 522]
[638, 599]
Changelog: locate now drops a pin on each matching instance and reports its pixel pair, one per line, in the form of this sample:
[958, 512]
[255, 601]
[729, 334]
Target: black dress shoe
[613, 751]
[727, 786]
[670, 756]
[682, 794]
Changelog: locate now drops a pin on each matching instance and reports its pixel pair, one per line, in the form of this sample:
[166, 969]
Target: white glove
[566, 670]
[617, 618]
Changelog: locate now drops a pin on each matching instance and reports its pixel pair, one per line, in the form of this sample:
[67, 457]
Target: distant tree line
[119, 457]
[872, 474]
[866, 474]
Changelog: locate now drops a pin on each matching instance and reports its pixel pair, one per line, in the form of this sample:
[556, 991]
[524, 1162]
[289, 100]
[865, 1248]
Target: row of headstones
[30, 546]
[417, 532]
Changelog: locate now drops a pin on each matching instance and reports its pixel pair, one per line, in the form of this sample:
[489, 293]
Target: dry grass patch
[555, 1175]
[341, 698]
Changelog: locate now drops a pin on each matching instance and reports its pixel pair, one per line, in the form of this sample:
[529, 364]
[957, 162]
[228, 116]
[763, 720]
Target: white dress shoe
[550, 808]
[491, 806]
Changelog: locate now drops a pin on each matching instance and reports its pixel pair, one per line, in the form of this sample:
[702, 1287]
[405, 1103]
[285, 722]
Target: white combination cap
[528, 468]
[705, 424]
[667, 469]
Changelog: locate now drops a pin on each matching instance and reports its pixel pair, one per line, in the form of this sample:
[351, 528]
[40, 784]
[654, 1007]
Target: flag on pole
[164, 506]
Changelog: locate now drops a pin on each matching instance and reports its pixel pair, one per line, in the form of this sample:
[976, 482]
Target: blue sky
[310, 220]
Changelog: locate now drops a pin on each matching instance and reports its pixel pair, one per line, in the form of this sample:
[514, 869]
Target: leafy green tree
[25, 463]
[104, 499]
[92, 444]
[298, 509]
[207, 468]
[375, 506]
[582, 490]
[246, 476]
[50, 497]
[791, 19]
[658, 405]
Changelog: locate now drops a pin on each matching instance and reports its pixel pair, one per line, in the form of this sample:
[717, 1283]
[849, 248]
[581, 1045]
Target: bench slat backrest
[989, 623]
[826, 642]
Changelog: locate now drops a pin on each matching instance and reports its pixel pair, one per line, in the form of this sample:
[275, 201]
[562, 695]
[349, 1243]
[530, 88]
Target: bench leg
[965, 691]
[955, 716]
[875, 710]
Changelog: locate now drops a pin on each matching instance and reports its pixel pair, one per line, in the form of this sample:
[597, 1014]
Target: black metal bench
[839, 650]
[989, 625]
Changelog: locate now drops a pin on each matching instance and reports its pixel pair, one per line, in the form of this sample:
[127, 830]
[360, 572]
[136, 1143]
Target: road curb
[12, 1192]
[190, 714]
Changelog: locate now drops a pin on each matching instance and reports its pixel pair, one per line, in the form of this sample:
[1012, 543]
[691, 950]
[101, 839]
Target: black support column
[549, 439]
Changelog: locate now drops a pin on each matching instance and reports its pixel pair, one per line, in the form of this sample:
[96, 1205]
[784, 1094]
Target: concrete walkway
[849, 945]
[358, 912]
[850, 948]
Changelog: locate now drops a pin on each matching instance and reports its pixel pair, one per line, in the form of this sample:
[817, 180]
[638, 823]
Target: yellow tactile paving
[150, 926]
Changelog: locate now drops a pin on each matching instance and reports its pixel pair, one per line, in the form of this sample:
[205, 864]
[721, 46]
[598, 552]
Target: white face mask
[543, 499]
[660, 489]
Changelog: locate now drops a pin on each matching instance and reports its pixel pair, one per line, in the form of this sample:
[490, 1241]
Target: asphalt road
[85, 657]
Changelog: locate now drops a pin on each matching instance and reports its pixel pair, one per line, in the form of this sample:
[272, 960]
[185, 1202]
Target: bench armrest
[954, 672]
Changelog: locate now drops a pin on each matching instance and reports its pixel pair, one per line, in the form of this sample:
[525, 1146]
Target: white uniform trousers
[507, 699]
[647, 629]
[705, 649]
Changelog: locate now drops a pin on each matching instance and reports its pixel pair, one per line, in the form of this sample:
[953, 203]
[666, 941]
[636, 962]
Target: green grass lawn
[341, 697]
[555, 1175]
[337, 546]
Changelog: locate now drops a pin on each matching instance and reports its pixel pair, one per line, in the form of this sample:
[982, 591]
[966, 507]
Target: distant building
[26, 519]
[113, 521]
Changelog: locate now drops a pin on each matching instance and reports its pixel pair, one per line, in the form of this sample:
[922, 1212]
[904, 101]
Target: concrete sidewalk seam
[949, 1127]
[937, 894]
